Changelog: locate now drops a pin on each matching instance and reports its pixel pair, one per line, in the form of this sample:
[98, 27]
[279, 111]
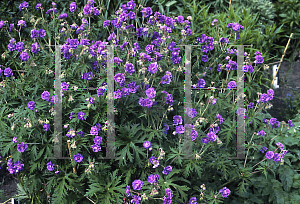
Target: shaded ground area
[8, 184]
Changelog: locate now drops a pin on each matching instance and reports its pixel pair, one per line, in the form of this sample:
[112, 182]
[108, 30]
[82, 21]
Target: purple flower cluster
[191, 112]
[265, 97]
[220, 118]
[38, 33]
[168, 199]
[87, 76]
[97, 140]
[23, 5]
[258, 58]
[63, 15]
[153, 178]
[153, 160]
[14, 167]
[225, 192]
[248, 68]
[232, 65]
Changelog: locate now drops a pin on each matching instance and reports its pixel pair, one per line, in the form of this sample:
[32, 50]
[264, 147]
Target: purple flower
[194, 134]
[149, 49]
[46, 127]
[87, 10]
[35, 48]
[180, 19]
[177, 119]
[118, 94]
[24, 56]
[54, 99]
[259, 59]
[97, 140]
[276, 157]
[130, 5]
[10, 27]
[225, 192]
[214, 21]
[137, 185]
[220, 118]
[80, 133]
[167, 170]
[18, 166]
[22, 23]
[50, 166]
[22, 147]
[147, 144]
[204, 58]
[179, 129]
[63, 15]
[31, 105]
[81, 115]
[73, 7]
[263, 149]
[261, 133]
[151, 178]
[106, 23]
[211, 136]
[91, 100]
[128, 191]
[119, 78]
[151, 93]
[129, 68]
[94, 130]
[152, 68]
[270, 155]
[231, 85]
[38, 6]
[8, 72]
[251, 105]
[34, 33]
[280, 145]
[241, 112]
[193, 200]
[264, 98]
[78, 157]
[136, 199]
[148, 102]
[96, 148]
[64, 86]
[191, 112]
[201, 83]
[290, 123]
[2, 23]
[19, 46]
[71, 115]
[14, 140]
[166, 79]
[42, 33]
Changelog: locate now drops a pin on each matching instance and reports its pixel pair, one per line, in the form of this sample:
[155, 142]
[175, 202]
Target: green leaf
[296, 181]
[170, 3]
[286, 175]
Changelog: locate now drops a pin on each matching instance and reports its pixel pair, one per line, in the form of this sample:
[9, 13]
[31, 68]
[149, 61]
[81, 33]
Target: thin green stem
[248, 150]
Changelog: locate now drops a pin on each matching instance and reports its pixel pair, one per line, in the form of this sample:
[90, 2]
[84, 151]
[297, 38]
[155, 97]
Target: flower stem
[248, 150]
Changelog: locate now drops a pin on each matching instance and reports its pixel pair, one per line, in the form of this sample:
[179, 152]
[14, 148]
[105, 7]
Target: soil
[8, 184]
